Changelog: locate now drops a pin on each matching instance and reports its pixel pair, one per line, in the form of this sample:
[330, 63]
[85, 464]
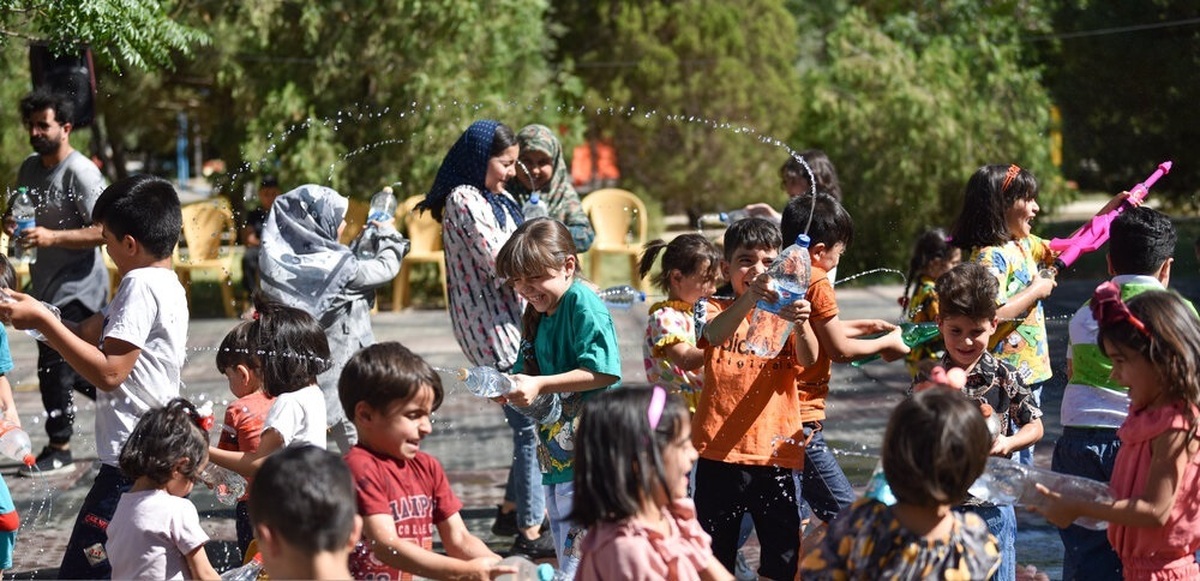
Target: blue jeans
[824, 488]
[1087, 452]
[1002, 523]
[560, 498]
[84, 557]
[524, 486]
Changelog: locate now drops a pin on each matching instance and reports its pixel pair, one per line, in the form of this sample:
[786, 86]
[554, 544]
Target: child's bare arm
[380, 532]
[1170, 454]
[1019, 304]
[198, 564]
[725, 324]
[685, 355]
[459, 541]
[834, 339]
[1025, 437]
[805, 346]
[7, 401]
[527, 387]
[247, 463]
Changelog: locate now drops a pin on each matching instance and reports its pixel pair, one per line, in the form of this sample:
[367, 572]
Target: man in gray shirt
[69, 271]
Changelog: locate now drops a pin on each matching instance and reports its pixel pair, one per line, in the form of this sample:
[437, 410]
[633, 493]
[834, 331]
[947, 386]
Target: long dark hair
[991, 191]
[165, 439]
[291, 346]
[931, 245]
[618, 455]
[687, 253]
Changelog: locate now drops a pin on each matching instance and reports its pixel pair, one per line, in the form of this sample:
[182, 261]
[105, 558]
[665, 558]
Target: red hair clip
[1108, 308]
[1013, 172]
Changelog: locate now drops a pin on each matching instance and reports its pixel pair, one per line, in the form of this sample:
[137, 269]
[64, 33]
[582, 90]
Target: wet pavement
[470, 436]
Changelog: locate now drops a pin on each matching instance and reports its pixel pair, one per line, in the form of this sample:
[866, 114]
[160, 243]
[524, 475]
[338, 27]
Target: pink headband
[658, 401]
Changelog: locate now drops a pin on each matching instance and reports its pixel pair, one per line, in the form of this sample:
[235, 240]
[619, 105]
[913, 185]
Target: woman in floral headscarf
[478, 216]
[541, 169]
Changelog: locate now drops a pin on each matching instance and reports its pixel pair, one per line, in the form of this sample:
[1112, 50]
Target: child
[935, 446]
[632, 466]
[244, 418]
[304, 517]
[747, 426]
[825, 488]
[932, 256]
[141, 334]
[1154, 345]
[9, 521]
[994, 229]
[292, 351]
[1093, 405]
[967, 319]
[402, 492]
[796, 181]
[155, 531]
[541, 169]
[689, 269]
[303, 265]
[569, 348]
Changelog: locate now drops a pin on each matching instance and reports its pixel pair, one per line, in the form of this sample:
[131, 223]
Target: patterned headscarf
[541, 138]
[302, 263]
[466, 164]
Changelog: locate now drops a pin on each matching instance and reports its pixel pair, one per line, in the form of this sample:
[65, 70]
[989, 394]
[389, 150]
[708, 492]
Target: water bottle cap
[545, 572]
[29, 460]
[534, 198]
[724, 217]
[803, 241]
[463, 374]
[387, 189]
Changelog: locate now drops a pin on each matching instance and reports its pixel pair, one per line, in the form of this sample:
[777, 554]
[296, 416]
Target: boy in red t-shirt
[244, 417]
[389, 392]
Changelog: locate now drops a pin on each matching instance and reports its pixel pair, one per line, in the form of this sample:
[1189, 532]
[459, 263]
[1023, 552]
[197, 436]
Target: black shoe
[505, 524]
[533, 549]
[49, 462]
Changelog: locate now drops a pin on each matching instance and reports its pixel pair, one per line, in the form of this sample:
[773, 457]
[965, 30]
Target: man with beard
[69, 272]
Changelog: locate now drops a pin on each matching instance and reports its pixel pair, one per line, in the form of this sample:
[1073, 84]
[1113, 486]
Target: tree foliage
[908, 101]
[688, 90]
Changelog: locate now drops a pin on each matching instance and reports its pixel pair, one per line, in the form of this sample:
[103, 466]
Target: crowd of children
[659, 481]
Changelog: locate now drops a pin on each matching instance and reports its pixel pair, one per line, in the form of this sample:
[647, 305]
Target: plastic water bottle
[534, 208]
[14, 443]
[226, 484]
[248, 572]
[36, 334]
[383, 206]
[545, 409]
[1009, 482]
[723, 218]
[621, 297]
[485, 381]
[24, 212]
[789, 274]
[526, 570]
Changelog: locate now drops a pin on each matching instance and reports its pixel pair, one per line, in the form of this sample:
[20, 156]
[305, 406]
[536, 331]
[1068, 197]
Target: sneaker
[505, 524]
[742, 570]
[49, 462]
[533, 549]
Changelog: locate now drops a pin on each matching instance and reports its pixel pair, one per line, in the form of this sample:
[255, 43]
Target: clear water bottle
[15, 444]
[248, 572]
[789, 274]
[485, 381]
[534, 208]
[227, 485]
[526, 570]
[545, 409]
[723, 218]
[1009, 482]
[36, 334]
[622, 297]
[383, 206]
[24, 212]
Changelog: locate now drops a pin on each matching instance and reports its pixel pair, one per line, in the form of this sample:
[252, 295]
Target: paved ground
[470, 436]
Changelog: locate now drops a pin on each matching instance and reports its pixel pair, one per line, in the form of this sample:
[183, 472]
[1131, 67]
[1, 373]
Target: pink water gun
[1094, 234]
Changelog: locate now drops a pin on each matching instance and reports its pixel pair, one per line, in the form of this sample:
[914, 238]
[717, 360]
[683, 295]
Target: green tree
[909, 101]
[689, 91]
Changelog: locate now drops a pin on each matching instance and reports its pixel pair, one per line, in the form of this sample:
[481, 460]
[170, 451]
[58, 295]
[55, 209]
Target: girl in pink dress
[1154, 344]
[632, 460]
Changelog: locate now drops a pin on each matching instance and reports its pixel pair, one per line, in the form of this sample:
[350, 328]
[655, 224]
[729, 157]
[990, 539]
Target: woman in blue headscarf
[478, 216]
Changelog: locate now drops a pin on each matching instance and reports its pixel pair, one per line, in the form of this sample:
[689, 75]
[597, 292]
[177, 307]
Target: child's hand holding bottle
[525, 389]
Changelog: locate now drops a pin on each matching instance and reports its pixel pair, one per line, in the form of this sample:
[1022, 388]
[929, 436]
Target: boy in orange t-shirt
[823, 486]
[747, 425]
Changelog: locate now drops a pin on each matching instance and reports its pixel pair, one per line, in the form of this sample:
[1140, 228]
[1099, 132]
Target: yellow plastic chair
[619, 219]
[209, 235]
[425, 239]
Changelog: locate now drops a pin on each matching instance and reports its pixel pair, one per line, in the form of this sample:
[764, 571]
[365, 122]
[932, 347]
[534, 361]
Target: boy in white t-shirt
[142, 335]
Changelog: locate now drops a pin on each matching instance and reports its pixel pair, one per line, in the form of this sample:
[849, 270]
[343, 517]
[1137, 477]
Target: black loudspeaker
[69, 74]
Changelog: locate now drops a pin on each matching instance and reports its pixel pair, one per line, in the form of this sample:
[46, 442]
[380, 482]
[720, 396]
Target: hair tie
[255, 315]
[658, 401]
[1109, 309]
[1013, 171]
